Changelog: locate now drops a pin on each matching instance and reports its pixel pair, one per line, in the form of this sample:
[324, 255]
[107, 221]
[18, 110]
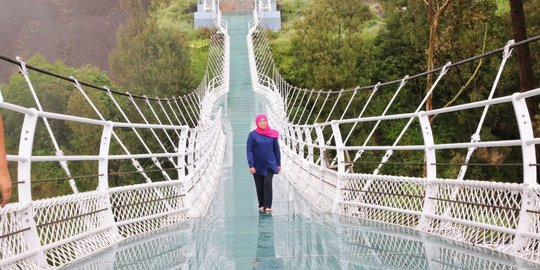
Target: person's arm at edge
[249, 154]
[5, 180]
[277, 154]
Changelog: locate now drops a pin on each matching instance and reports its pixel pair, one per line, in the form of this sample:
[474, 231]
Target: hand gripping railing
[174, 147]
[316, 160]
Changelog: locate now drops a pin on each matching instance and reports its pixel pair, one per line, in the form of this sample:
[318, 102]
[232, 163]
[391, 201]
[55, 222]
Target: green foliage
[503, 7]
[154, 53]
[175, 15]
[394, 45]
[326, 47]
[152, 61]
[532, 14]
[291, 9]
[59, 96]
[372, 29]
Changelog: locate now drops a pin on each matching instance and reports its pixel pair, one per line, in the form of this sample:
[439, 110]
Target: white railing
[175, 151]
[320, 159]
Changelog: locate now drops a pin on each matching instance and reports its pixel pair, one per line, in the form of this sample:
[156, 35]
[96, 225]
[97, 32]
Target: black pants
[263, 184]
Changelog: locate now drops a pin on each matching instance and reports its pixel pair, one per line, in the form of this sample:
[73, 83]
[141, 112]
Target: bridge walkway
[234, 235]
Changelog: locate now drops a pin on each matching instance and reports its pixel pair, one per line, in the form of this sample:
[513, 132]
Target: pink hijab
[268, 132]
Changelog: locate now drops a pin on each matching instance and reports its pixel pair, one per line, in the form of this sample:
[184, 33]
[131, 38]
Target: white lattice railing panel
[74, 226]
[13, 227]
[454, 259]
[534, 209]
[459, 207]
[383, 215]
[379, 249]
[76, 249]
[133, 206]
[68, 216]
[317, 185]
[24, 264]
[475, 235]
[394, 192]
[165, 251]
[202, 185]
[395, 200]
[494, 204]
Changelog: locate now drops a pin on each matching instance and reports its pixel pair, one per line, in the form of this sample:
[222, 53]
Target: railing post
[181, 155]
[431, 169]
[103, 172]
[103, 166]
[322, 143]
[341, 165]
[24, 171]
[289, 138]
[309, 142]
[528, 152]
[295, 144]
[189, 183]
[300, 144]
[322, 154]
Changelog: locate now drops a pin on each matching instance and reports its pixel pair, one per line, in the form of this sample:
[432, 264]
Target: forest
[339, 45]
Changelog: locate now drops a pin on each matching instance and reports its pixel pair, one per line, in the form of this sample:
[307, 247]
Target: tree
[435, 10]
[526, 75]
[151, 60]
[327, 44]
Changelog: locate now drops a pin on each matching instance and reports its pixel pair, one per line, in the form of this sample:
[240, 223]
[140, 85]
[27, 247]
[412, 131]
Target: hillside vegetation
[341, 44]
[158, 54]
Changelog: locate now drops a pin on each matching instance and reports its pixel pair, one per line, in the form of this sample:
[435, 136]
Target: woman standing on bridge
[264, 160]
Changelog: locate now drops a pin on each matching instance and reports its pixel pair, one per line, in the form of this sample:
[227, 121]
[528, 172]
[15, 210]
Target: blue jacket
[263, 153]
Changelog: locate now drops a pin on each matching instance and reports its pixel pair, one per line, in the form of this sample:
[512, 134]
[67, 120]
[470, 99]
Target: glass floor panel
[234, 235]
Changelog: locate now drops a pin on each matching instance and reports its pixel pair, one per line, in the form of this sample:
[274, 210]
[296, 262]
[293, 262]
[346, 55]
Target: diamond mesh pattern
[97, 264]
[70, 216]
[447, 258]
[157, 253]
[478, 202]
[530, 249]
[22, 265]
[492, 205]
[362, 194]
[206, 177]
[12, 231]
[146, 200]
[378, 249]
[315, 185]
[80, 248]
[473, 234]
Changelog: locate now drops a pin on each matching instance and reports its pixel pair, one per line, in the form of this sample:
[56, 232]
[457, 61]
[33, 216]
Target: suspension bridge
[191, 201]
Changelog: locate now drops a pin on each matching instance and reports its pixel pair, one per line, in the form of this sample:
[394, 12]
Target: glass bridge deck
[234, 235]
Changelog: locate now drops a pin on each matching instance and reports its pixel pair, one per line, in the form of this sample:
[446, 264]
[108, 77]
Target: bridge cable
[63, 163]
